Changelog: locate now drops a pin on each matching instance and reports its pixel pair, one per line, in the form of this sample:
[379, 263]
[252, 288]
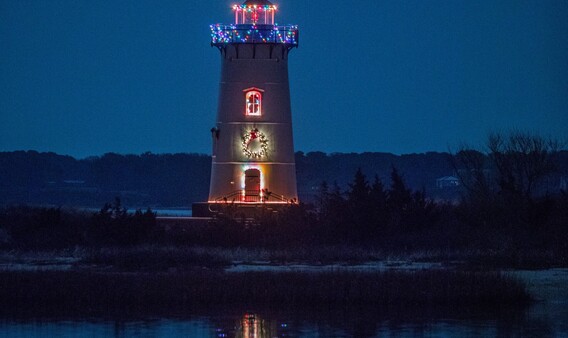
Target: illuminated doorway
[252, 185]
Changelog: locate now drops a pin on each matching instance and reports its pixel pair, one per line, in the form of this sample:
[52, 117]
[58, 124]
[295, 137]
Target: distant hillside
[139, 180]
[177, 180]
[419, 171]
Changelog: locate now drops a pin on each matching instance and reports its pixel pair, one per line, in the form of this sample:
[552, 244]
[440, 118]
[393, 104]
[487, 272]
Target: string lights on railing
[250, 8]
[221, 34]
[254, 23]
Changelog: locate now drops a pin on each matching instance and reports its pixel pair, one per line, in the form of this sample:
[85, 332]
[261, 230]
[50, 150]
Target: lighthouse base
[237, 210]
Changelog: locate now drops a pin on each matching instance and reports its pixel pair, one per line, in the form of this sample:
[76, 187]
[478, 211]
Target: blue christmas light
[245, 29]
[222, 34]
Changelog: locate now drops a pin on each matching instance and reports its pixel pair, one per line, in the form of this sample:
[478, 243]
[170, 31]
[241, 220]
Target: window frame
[251, 92]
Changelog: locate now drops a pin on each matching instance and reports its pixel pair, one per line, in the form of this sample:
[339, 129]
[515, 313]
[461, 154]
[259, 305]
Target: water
[548, 317]
[267, 266]
[170, 212]
[173, 212]
[252, 324]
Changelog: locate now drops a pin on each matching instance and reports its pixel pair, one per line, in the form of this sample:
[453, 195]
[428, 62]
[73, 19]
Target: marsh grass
[157, 293]
[160, 258]
[153, 258]
[164, 257]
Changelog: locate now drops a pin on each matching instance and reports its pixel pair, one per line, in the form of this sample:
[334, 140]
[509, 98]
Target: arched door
[252, 185]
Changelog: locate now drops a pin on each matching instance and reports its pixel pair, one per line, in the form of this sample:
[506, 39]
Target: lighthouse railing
[239, 196]
[223, 34]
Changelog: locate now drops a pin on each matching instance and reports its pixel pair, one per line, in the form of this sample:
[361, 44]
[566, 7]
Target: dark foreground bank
[104, 293]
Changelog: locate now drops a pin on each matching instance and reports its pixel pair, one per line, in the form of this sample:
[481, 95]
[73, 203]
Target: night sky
[84, 77]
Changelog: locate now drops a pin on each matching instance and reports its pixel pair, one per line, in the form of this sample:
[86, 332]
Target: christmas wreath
[255, 144]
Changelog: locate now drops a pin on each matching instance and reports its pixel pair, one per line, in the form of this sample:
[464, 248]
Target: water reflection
[530, 322]
[546, 319]
[253, 325]
[500, 323]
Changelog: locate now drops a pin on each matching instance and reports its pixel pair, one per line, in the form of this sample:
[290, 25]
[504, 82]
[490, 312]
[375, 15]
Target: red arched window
[253, 103]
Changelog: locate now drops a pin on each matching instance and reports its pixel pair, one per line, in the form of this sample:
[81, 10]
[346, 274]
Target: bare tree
[521, 160]
[471, 167]
[513, 164]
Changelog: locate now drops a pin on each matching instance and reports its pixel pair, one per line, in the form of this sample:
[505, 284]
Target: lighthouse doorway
[252, 185]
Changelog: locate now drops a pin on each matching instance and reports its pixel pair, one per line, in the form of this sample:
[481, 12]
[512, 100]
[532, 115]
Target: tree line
[148, 179]
[393, 218]
[498, 210]
[178, 180]
[43, 228]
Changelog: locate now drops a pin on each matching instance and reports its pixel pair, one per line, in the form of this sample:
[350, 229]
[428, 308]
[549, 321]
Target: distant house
[447, 182]
[73, 182]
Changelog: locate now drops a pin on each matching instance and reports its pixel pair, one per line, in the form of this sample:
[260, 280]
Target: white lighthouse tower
[253, 152]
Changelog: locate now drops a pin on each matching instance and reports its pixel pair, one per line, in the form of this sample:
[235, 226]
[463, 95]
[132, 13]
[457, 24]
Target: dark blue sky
[88, 77]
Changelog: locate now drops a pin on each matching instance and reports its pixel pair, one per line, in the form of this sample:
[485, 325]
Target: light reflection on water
[547, 318]
[253, 324]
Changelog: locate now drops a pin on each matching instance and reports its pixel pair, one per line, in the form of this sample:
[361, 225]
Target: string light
[249, 28]
[243, 180]
[248, 137]
[251, 7]
[222, 34]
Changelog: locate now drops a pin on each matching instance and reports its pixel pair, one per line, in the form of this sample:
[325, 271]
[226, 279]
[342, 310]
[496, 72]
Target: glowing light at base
[253, 166]
[263, 195]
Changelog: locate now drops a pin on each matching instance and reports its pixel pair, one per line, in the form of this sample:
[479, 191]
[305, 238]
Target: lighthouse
[252, 147]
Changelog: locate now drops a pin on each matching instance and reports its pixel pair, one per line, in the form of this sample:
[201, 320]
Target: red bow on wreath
[253, 134]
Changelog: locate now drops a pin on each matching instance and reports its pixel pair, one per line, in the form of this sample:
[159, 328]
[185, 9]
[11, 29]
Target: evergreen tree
[378, 194]
[398, 202]
[334, 215]
[359, 192]
[360, 209]
[399, 196]
[323, 194]
[378, 200]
